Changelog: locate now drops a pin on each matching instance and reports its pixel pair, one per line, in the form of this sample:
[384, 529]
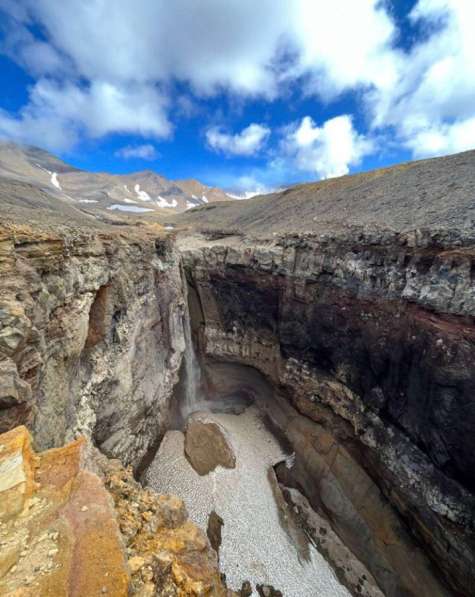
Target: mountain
[36, 173]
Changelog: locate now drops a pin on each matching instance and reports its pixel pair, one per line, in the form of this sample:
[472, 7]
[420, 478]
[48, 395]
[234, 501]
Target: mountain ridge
[141, 192]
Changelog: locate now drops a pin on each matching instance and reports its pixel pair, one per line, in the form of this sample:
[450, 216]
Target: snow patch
[55, 181]
[204, 198]
[143, 195]
[54, 176]
[132, 208]
[244, 498]
[126, 200]
[169, 227]
[162, 202]
[87, 201]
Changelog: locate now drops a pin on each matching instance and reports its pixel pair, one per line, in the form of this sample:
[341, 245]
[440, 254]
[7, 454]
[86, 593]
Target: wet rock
[246, 589]
[215, 523]
[268, 591]
[206, 445]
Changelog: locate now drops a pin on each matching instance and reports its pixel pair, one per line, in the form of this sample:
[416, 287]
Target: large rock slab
[206, 445]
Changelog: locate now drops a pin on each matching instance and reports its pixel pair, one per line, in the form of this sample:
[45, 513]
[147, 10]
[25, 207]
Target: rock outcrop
[91, 336]
[167, 554]
[367, 338]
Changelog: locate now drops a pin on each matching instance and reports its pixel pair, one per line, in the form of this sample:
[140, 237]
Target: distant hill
[36, 175]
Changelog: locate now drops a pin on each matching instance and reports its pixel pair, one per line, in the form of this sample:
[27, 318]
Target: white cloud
[105, 67]
[328, 150]
[120, 50]
[57, 115]
[144, 152]
[443, 138]
[432, 104]
[247, 142]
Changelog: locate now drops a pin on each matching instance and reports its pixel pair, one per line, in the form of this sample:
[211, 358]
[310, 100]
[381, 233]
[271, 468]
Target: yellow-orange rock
[166, 550]
[58, 533]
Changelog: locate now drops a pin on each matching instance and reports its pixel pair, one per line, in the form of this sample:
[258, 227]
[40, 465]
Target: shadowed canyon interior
[353, 345]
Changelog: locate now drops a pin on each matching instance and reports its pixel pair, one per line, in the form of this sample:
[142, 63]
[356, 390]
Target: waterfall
[192, 368]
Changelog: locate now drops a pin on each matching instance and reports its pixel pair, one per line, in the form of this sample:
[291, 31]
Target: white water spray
[192, 368]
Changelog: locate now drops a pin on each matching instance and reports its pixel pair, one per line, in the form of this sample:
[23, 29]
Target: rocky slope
[435, 193]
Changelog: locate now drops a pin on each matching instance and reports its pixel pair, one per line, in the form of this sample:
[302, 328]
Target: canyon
[351, 342]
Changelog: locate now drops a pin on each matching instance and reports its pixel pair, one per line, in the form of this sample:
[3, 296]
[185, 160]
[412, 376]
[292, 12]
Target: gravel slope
[435, 193]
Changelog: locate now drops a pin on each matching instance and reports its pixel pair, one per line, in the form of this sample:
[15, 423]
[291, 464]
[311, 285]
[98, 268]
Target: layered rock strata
[368, 341]
[91, 336]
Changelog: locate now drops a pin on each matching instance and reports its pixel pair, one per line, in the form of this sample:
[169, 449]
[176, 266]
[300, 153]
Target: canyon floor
[255, 544]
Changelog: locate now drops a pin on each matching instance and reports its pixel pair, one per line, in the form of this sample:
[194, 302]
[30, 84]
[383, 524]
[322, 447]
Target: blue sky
[240, 94]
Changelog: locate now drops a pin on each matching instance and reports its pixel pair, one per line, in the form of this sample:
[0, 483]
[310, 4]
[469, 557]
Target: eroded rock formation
[91, 336]
[367, 339]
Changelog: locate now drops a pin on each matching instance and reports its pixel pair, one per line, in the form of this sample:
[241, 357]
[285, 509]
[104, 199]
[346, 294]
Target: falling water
[192, 368]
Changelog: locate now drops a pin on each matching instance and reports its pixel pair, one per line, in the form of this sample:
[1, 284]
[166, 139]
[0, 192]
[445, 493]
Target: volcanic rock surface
[91, 338]
[58, 534]
[74, 523]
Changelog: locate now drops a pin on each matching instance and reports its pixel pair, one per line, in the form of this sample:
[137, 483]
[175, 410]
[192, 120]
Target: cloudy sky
[244, 94]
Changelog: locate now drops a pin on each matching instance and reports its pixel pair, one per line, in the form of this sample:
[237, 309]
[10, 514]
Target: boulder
[206, 445]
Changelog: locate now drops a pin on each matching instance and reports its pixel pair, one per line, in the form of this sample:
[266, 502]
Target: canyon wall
[91, 336]
[361, 346]
[368, 340]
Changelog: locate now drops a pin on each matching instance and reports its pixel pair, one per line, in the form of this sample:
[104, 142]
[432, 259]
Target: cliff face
[91, 336]
[368, 342]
